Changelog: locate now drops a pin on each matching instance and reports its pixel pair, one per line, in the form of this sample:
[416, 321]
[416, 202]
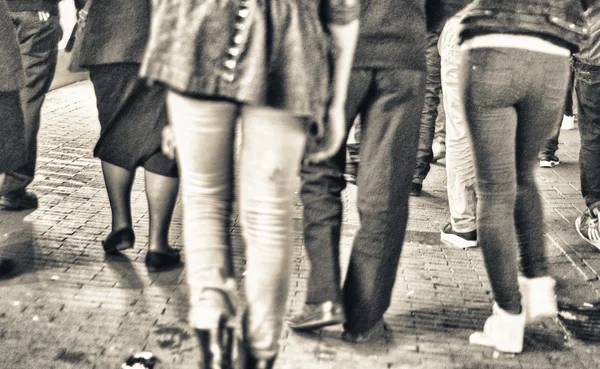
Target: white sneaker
[502, 330]
[538, 297]
[568, 122]
[439, 150]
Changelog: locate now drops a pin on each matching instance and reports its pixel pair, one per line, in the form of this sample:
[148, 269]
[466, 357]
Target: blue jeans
[38, 42]
[390, 105]
[511, 110]
[587, 88]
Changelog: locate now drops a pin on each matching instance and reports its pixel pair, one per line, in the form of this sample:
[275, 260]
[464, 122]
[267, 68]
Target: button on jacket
[259, 52]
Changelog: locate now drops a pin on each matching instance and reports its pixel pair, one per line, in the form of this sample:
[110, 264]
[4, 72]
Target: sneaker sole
[548, 164]
[584, 237]
[316, 324]
[456, 241]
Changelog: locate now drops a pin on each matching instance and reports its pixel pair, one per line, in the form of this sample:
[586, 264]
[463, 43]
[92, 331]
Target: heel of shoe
[244, 358]
[502, 330]
[216, 345]
[538, 298]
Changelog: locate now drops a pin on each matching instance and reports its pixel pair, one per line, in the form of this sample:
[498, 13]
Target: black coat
[115, 31]
[11, 70]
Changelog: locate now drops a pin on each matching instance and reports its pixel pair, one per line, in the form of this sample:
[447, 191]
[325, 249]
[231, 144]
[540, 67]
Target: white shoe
[439, 150]
[502, 330]
[538, 297]
[568, 122]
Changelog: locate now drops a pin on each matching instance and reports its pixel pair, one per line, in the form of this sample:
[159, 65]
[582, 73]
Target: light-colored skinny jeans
[272, 147]
[460, 168]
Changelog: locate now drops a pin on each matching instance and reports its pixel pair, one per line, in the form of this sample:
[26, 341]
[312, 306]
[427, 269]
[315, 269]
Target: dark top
[558, 21]
[118, 38]
[392, 33]
[11, 70]
[50, 6]
[590, 50]
[273, 53]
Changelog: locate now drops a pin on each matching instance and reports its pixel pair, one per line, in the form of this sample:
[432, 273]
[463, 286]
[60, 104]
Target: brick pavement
[71, 306]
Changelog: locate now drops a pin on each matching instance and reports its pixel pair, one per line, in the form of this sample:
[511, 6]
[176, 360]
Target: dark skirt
[132, 116]
[12, 132]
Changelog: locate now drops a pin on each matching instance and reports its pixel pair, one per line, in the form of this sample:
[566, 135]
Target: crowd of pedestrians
[174, 79]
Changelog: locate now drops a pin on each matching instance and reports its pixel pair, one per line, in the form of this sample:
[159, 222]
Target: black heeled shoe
[120, 240]
[244, 358]
[158, 261]
[216, 346]
[253, 363]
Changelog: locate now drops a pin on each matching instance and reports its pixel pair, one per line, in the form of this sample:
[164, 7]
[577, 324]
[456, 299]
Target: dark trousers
[38, 42]
[511, 111]
[551, 145]
[389, 102]
[433, 87]
[587, 87]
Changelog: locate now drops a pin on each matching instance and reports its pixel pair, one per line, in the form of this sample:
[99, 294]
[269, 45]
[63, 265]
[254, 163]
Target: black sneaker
[416, 189]
[380, 333]
[587, 226]
[460, 240]
[6, 267]
[19, 201]
[549, 161]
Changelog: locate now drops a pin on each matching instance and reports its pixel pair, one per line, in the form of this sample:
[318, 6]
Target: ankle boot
[502, 330]
[538, 297]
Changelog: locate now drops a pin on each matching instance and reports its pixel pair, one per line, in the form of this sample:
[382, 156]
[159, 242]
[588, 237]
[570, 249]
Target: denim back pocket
[589, 87]
[489, 78]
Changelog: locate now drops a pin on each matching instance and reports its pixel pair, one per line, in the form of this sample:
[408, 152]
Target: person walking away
[12, 125]
[38, 32]
[461, 231]
[587, 88]
[132, 116]
[386, 89]
[514, 84]
[266, 63]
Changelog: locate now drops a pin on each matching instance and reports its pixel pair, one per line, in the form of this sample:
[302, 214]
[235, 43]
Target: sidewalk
[71, 306]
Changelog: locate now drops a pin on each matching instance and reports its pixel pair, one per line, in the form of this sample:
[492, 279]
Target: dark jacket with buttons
[267, 53]
[558, 21]
[11, 70]
[115, 31]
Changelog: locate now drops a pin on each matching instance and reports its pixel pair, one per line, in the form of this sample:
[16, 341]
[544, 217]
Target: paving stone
[72, 306]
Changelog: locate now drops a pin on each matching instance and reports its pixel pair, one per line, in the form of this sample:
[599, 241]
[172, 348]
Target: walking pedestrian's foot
[439, 151]
[460, 240]
[416, 189]
[6, 267]
[315, 316]
[379, 333]
[549, 161]
[502, 330]
[158, 261]
[21, 200]
[587, 225]
[119, 240]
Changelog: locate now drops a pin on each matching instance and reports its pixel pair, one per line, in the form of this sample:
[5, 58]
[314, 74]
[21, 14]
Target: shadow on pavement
[16, 244]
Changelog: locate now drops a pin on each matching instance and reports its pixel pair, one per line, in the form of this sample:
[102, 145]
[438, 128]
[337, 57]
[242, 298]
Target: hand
[168, 142]
[330, 136]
